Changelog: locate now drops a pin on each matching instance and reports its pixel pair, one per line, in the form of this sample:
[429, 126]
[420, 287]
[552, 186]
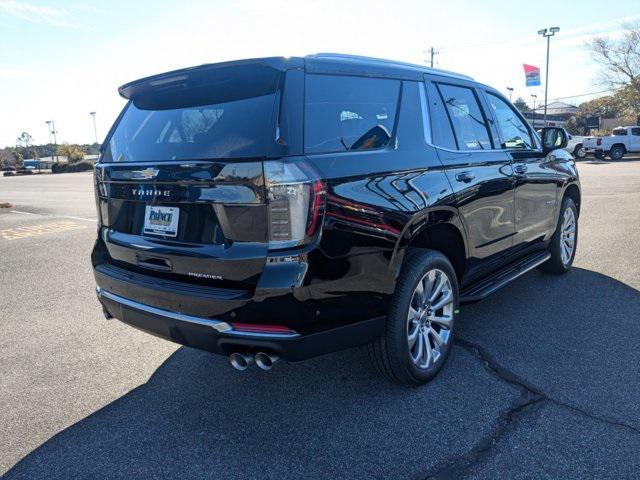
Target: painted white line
[25, 213]
[84, 219]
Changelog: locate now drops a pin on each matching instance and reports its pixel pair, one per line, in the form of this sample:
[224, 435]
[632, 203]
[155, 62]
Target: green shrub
[82, 166]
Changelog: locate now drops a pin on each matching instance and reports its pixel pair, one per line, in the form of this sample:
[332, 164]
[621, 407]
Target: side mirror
[553, 138]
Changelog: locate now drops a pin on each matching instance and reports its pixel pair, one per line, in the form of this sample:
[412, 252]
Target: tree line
[13, 157]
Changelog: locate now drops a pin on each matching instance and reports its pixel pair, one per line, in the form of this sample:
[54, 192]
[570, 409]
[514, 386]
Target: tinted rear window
[229, 114]
[348, 113]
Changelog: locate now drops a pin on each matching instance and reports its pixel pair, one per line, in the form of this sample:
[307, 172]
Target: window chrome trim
[219, 326]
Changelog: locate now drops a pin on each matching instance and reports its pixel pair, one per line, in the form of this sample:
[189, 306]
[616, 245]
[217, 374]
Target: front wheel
[579, 152]
[419, 331]
[564, 241]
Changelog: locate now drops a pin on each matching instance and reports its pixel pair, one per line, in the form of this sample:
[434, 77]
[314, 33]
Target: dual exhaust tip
[242, 361]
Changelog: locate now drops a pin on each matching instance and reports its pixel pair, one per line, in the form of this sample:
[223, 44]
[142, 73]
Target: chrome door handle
[465, 177]
[520, 169]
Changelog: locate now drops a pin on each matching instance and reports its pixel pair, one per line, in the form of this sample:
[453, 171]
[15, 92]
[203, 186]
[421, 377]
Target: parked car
[287, 208]
[575, 145]
[622, 140]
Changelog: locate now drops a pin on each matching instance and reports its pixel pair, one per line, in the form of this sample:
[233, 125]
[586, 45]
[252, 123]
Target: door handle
[520, 169]
[465, 177]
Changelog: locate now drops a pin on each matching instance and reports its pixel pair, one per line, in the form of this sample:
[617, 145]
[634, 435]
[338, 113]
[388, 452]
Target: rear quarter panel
[376, 200]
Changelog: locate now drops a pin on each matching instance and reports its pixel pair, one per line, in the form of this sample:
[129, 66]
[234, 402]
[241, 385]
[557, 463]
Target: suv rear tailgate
[220, 232]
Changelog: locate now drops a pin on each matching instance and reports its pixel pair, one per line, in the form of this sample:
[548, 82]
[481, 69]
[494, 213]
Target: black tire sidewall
[618, 151]
[418, 264]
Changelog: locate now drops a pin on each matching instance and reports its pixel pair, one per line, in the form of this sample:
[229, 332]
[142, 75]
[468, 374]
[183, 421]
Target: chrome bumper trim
[219, 326]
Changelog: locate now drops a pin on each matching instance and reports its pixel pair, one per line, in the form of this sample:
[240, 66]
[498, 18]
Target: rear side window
[619, 132]
[348, 113]
[635, 131]
[466, 117]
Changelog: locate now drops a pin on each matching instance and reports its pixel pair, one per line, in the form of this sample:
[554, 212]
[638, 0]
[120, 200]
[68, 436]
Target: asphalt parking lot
[544, 380]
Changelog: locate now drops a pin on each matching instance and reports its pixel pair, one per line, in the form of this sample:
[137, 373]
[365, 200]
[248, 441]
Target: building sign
[532, 75]
[592, 122]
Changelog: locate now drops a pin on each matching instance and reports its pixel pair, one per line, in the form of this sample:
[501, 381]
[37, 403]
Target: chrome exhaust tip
[240, 361]
[266, 360]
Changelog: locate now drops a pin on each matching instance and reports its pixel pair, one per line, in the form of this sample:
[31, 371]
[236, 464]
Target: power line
[585, 94]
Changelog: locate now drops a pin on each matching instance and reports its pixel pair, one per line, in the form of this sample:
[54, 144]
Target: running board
[496, 281]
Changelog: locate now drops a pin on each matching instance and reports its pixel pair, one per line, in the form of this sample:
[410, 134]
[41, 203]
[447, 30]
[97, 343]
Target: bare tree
[620, 61]
[24, 140]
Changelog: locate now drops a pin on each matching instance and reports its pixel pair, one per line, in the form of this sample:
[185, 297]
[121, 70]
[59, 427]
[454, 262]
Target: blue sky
[60, 60]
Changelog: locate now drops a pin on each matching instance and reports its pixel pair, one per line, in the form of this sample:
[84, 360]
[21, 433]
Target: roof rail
[362, 58]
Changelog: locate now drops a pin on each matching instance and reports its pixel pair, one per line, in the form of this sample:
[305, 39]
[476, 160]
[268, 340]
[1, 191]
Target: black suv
[291, 207]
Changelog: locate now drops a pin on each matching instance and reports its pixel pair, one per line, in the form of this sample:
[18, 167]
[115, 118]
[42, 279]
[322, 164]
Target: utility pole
[95, 131]
[547, 33]
[432, 53]
[510, 92]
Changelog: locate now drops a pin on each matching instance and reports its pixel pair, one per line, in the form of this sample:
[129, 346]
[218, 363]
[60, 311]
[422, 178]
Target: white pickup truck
[622, 140]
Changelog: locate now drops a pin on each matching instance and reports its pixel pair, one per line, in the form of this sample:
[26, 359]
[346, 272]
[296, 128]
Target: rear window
[227, 115]
[345, 113]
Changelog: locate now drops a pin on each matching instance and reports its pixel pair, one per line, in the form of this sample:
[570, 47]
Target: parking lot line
[17, 233]
[84, 219]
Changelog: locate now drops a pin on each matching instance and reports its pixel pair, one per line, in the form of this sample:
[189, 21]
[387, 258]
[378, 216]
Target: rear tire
[564, 241]
[418, 335]
[616, 152]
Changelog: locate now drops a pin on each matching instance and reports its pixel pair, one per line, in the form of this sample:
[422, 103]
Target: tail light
[598, 141]
[296, 199]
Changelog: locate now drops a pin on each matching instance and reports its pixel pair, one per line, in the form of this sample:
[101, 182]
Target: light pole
[534, 109]
[95, 130]
[548, 33]
[510, 92]
[52, 125]
[48, 122]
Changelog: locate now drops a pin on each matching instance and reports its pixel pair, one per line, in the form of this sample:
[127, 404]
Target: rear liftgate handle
[155, 263]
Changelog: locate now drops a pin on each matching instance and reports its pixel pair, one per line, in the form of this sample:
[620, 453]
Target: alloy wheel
[430, 318]
[567, 236]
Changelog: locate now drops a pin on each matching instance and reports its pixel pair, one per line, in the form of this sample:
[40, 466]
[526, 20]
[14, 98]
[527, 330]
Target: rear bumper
[219, 337]
[592, 150]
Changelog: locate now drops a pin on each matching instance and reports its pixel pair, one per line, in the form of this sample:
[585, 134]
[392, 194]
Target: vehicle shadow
[334, 416]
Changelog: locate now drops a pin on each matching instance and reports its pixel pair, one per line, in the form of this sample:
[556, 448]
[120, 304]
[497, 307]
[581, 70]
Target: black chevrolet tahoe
[290, 207]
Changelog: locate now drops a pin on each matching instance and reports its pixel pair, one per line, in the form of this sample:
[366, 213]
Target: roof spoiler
[200, 74]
